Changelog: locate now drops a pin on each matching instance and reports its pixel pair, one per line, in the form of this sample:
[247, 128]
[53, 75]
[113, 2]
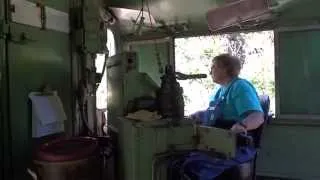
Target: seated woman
[236, 104]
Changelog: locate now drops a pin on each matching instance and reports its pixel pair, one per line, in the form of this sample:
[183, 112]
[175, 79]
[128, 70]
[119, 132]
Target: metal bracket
[43, 15]
[5, 34]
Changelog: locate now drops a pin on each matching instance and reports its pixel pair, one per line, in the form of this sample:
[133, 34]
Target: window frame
[104, 74]
[284, 118]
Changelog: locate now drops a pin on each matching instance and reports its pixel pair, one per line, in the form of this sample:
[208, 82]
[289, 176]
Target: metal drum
[68, 159]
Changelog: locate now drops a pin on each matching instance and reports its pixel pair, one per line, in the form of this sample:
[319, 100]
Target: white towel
[47, 109]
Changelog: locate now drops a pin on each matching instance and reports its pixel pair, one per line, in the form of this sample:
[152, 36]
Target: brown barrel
[67, 159]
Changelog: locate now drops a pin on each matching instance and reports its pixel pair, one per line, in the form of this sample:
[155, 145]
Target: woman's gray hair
[231, 63]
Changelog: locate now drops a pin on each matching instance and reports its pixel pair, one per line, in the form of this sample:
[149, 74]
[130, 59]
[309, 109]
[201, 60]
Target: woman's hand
[238, 128]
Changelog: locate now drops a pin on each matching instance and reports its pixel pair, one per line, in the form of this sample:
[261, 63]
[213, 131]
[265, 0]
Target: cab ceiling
[193, 12]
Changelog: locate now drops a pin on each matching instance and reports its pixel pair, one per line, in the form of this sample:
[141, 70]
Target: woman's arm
[247, 104]
[252, 121]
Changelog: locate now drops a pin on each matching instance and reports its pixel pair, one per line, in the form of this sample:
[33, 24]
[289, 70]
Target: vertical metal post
[277, 72]
[172, 52]
[5, 124]
[91, 93]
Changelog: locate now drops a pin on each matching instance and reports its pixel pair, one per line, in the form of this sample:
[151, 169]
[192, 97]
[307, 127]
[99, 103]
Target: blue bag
[200, 166]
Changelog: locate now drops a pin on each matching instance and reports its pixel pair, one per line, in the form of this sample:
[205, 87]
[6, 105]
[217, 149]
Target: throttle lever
[181, 76]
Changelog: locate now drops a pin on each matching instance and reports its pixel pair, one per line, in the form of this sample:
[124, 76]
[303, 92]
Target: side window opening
[194, 55]
[101, 93]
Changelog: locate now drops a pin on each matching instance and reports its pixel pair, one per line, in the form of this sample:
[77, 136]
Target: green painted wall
[300, 11]
[290, 151]
[141, 141]
[3, 118]
[148, 62]
[291, 146]
[5, 144]
[298, 72]
[43, 58]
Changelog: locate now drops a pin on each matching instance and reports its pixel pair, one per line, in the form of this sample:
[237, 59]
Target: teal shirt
[241, 99]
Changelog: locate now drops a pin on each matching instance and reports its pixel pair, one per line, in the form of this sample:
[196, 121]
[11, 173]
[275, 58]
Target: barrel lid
[70, 149]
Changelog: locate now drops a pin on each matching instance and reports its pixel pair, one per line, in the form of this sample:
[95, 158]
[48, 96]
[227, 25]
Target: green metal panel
[290, 151]
[43, 58]
[5, 148]
[4, 135]
[148, 61]
[91, 19]
[5, 144]
[300, 10]
[2, 119]
[140, 142]
[124, 86]
[298, 72]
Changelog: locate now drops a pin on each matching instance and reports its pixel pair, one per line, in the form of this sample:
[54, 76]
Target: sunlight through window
[194, 55]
